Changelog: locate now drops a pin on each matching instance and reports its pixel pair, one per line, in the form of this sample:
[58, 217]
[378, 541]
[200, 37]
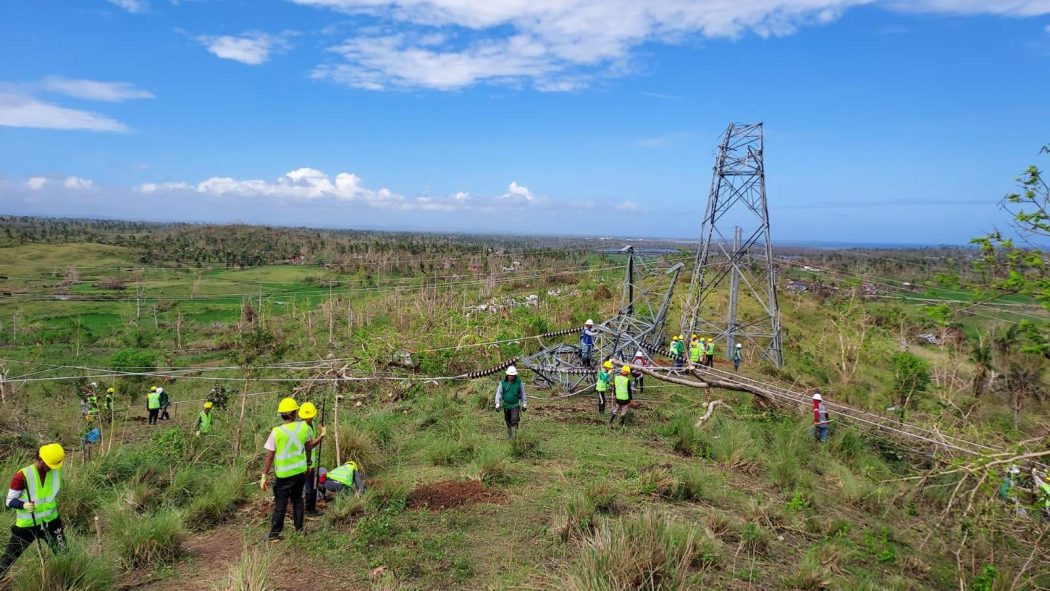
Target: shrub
[525, 444]
[645, 551]
[448, 451]
[147, 540]
[251, 573]
[74, 569]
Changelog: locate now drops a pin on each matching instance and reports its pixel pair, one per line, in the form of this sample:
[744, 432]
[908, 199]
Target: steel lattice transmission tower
[736, 253]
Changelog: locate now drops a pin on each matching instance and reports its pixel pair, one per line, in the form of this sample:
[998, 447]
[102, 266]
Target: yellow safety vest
[43, 495]
[344, 474]
[695, 351]
[621, 382]
[290, 455]
[603, 381]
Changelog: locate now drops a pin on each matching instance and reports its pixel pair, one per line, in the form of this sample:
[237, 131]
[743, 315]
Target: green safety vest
[109, 402]
[621, 383]
[205, 419]
[92, 401]
[603, 381]
[344, 474]
[290, 456]
[1046, 495]
[315, 453]
[711, 348]
[678, 348]
[152, 401]
[511, 393]
[44, 496]
[694, 351]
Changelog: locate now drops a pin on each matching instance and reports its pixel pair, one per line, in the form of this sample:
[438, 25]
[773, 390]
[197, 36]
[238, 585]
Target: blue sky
[886, 121]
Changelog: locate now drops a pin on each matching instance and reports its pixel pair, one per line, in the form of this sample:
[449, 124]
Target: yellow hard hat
[152, 388]
[287, 405]
[53, 455]
[208, 404]
[607, 365]
[625, 369]
[694, 337]
[307, 410]
[110, 390]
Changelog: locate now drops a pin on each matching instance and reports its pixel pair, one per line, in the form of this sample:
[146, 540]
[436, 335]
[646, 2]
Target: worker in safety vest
[33, 495]
[602, 385]
[587, 341]
[344, 478]
[696, 351]
[153, 404]
[286, 451]
[1042, 493]
[510, 395]
[709, 350]
[820, 418]
[622, 395]
[204, 420]
[678, 350]
[307, 412]
[736, 357]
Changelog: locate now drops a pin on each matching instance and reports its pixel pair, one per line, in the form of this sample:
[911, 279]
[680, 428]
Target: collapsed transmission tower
[736, 253]
[637, 326]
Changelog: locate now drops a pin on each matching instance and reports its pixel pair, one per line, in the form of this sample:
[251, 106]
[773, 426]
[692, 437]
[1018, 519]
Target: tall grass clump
[732, 444]
[251, 572]
[685, 484]
[580, 518]
[490, 466]
[525, 444]
[643, 551]
[449, 450]
[685, 437]
[218, 503]
[143, 541]
[358, 445]
[73, 570]
[345, 508]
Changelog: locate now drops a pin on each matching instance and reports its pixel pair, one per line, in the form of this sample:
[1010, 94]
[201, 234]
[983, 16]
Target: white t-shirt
[270, 445]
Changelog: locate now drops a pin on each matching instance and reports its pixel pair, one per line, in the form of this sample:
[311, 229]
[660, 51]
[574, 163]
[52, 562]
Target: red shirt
[18, 482]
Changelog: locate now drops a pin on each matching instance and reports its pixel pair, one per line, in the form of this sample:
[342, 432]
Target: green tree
[256, 346]
[911, 377]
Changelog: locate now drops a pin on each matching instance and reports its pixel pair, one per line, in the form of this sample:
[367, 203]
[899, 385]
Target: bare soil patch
[453, 493]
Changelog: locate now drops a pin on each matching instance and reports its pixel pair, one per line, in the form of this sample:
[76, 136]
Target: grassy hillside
[746, 500]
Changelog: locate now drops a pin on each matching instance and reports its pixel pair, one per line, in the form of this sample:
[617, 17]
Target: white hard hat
[159, 390]
[94, 384]
[817, 396]
[1014, 470]
[512, 371]
[589, 322]
[639, 353]
[738, 345]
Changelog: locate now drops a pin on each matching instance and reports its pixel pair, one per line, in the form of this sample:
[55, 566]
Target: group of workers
[157, 404]
[90, 406]
[293, 452]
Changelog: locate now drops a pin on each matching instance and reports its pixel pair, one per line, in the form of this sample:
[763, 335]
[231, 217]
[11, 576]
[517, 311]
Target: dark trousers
[310, 491]
[512, 416]
[285, 490]
[601, 402]
[153, 414]
[22, 537]
[164, 416]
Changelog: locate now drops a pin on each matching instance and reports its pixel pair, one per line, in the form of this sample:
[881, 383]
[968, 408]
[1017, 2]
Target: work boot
[510, 433]
[601, 408]
[612, 418]
[314, 513]
[274, 538]
[623, 420]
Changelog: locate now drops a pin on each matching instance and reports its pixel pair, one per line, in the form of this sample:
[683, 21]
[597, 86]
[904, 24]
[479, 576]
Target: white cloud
[562, 45]
[132, 6]
[78, 184]
[516, 191]
[310, 184]
[94, 90]
[250, 48]
[73, 183]
[25, 111]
